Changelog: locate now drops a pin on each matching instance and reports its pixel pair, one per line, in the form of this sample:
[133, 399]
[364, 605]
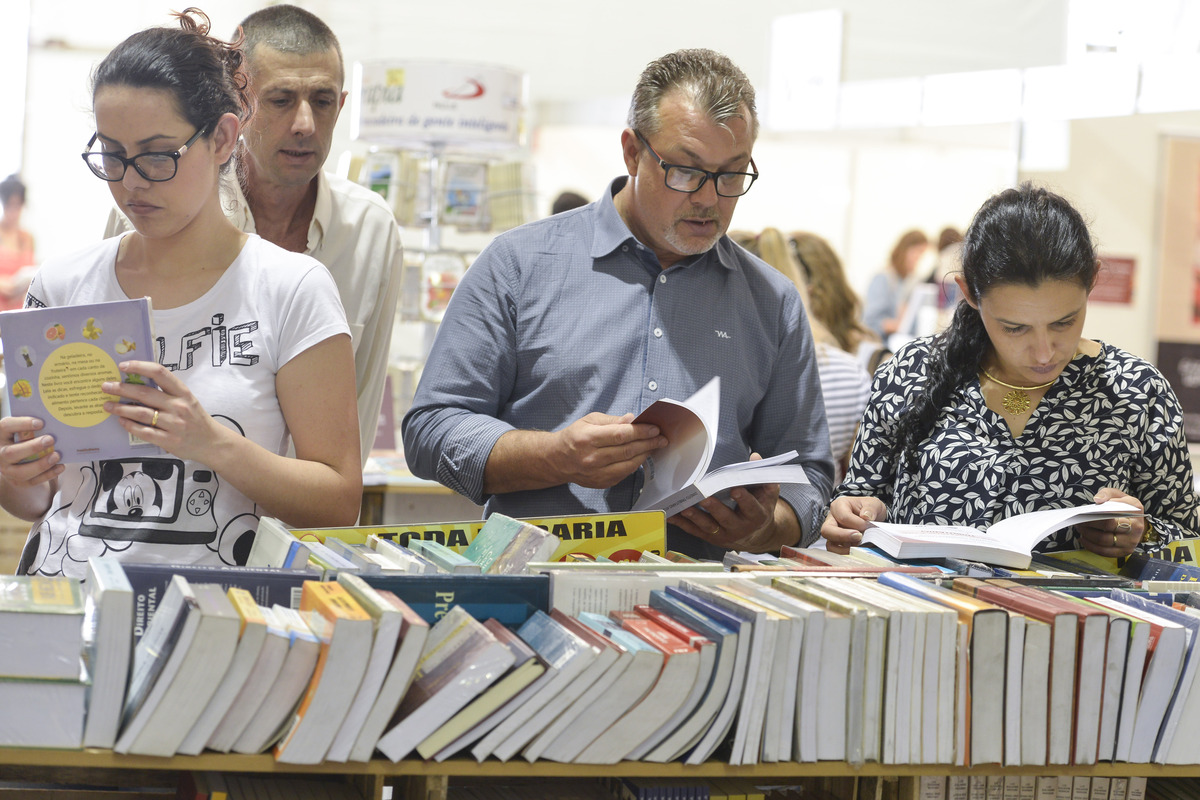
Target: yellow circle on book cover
[69, 383]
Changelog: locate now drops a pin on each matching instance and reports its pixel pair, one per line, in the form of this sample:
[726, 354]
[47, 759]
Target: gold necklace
[1016, 402]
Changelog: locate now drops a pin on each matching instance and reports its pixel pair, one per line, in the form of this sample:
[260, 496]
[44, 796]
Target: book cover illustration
[56, 360]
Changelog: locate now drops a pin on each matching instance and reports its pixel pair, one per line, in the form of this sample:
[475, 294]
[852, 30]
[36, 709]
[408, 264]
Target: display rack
[449, 136]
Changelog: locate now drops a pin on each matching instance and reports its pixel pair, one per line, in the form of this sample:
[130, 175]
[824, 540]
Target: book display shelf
[447, 152]
[414, 779]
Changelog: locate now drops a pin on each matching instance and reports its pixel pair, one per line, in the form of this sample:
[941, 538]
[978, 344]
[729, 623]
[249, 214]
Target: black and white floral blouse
[1111, 420]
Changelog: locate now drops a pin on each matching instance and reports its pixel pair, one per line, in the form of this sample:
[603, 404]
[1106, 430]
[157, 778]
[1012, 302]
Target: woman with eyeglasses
[254, 351]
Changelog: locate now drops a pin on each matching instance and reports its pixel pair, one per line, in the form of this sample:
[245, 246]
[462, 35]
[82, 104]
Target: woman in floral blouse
[1011, 410]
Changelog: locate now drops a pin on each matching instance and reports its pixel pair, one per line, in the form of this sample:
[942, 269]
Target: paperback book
[678, 476]
[1008, 543]
[58, 357]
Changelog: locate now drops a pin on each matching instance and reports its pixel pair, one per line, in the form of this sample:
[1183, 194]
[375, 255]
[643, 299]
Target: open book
[55, 360]
[677, 475]
[1008, 543]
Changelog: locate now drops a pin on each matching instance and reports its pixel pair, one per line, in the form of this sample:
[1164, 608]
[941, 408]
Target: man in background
[296, 73]
[564, 329]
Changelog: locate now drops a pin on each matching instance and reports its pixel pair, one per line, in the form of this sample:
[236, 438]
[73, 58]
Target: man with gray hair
[565, 328]
[296, 74]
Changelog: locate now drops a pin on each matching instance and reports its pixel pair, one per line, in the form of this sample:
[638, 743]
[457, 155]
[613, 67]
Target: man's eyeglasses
[157, 167]
[690, 179]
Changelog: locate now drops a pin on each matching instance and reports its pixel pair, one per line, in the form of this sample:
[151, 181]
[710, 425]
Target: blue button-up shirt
[571, 314]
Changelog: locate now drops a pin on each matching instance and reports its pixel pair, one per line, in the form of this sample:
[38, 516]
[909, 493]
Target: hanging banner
[422, 103]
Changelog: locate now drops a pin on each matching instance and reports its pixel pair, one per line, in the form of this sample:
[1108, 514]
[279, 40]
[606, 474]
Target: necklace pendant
[1016, 402]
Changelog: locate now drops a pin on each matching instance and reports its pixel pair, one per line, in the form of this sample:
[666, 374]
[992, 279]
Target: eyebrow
[141, 143]
[696, 159]
[1063, 318]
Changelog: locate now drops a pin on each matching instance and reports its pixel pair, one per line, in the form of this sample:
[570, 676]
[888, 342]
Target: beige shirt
[354, 234]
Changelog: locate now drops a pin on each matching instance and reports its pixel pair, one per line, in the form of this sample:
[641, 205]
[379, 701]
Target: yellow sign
[70, 384]
[617, 537]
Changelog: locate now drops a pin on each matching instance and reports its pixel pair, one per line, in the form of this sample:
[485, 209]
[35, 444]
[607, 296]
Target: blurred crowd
[912, 296]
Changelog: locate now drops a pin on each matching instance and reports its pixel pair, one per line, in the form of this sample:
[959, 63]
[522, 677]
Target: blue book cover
[1141, 567]
[511, 599]
[269, 585]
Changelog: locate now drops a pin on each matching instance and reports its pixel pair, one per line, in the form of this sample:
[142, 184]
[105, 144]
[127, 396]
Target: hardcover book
[678, 475]
[58, 357]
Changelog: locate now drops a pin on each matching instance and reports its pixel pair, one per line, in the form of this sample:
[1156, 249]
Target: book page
[1026, 530]
[691, 430]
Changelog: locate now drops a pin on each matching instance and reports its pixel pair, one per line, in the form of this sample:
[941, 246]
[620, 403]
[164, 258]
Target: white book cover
[1007, 543]
[561, 649]
[194, 668]
[254, 690]
[108, 643]
[386, 622]
[678, 476]
[250, 644]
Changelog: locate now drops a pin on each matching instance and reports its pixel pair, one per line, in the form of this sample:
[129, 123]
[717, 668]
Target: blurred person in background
[845, 383]
[888, 290]
[833, 302]
[566, 201]
[947, 265]
[16, 245]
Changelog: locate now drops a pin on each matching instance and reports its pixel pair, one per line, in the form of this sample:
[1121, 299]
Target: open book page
[691, 430]
[1026, 530]
[1008, 542]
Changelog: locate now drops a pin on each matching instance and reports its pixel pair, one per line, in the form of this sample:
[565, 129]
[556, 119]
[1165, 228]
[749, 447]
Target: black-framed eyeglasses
[157, 167]
[690, 179]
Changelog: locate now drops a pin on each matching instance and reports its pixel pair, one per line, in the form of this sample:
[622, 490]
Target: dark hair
[907, 240]
[566, 201]
[289, 29]
[11, 187]
[1023, 236]
[706, 78]
[203, 73]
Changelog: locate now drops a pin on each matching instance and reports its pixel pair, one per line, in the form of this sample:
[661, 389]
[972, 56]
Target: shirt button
[658, 332]
[662, 278]
[624, 248]
[652, 386]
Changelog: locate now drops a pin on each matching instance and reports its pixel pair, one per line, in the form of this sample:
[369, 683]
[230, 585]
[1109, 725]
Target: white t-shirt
[227, 346]
[354, 234]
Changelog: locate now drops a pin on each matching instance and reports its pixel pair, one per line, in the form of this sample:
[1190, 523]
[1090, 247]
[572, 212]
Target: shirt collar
[239, 208]
[611, 232]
